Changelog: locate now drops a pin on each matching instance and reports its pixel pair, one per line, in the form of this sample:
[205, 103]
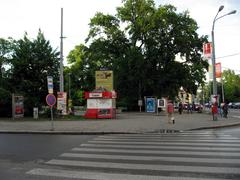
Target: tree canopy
[231, 85]
[31, 61]
[140, 44]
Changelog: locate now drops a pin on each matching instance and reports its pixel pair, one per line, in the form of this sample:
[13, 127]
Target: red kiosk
[101, 104]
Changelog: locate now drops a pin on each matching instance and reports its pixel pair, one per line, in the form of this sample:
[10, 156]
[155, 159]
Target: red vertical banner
[218, 68]
[207, 50]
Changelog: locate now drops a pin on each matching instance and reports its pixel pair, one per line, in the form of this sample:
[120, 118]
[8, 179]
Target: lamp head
[220, 8]
[232, 12]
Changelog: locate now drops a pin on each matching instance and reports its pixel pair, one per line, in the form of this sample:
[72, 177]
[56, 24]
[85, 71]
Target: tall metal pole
[213, 54]
[213, 47]
[223, 100]
[213, 64]
[69, 85]
[61, 55]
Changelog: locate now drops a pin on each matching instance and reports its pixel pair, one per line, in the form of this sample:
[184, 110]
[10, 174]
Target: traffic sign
[50, 84]
[51, 99]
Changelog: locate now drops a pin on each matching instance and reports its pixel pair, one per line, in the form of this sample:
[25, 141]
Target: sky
[20, 16]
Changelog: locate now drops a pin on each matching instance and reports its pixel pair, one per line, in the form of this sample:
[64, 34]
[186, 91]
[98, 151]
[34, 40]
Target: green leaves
[140, 44]
[231, 84]
[31, 61]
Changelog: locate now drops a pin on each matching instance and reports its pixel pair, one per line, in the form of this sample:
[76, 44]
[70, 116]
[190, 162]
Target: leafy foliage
[30, 63]
[231, 83]
[140, 44]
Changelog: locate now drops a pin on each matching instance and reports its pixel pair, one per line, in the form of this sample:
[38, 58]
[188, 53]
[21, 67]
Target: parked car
[236, 105]
[198, 107]
[231, 105]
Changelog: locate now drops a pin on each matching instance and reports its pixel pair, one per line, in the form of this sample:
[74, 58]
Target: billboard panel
[218, 68]
[104, 79]
[207, 50]
[150, 104]
[18, 106]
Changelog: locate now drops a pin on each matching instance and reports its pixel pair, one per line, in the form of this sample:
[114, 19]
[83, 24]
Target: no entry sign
[51, 99]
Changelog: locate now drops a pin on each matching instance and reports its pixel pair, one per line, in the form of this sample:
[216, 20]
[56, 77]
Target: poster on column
[18, 106]
[218, 68]
[207, 50]
[62, 102]
[150, 104]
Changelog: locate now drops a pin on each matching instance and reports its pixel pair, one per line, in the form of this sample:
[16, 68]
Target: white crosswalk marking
[173, 152]
[160, 147]
[178, 156]
[144, 166]
[151, 158]
[103, 176]
[164, 142]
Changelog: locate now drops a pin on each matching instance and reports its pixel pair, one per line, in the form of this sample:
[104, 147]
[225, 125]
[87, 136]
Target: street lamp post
[214, 108]
[69, 85]
[213, 47]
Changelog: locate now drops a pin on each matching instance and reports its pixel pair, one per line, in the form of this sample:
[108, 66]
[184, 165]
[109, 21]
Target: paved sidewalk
[125, 123]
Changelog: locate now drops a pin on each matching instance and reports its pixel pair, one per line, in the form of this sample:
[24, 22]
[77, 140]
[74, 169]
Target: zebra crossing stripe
[169, 140]
[164, 135]
[210, 148]
[130, 151]
[102, 176]
[152, 158]
[168, 143]
[157, 167]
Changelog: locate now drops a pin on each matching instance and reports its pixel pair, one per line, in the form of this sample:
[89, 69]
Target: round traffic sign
[51, 99]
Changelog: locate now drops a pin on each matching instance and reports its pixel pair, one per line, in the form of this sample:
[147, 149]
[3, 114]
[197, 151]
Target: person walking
[170, 110]
[180, 107]
[189, 108]
[225, 110]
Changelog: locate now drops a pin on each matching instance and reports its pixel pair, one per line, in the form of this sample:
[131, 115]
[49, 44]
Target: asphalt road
[20, 152]
[195, 155]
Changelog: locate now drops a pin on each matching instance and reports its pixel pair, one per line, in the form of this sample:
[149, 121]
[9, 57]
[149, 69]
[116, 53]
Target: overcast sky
[19, 16]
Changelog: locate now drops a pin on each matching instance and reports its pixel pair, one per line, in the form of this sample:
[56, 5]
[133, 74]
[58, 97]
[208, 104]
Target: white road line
[103, 176]
[160, 139]
[161, 147]
[152, 158]
[165, 135]
[169, 143]
[157, 167]
[177, 138]
[230, 154]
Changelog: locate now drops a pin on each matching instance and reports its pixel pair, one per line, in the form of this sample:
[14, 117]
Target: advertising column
[17, 106]
[62, 102]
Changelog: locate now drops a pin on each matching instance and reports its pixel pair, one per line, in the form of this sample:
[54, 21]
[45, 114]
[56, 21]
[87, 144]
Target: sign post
[50, 84]
[51, 100]
[140, 103]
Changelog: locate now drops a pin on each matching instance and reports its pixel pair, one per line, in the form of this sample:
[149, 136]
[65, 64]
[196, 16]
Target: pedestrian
[170, 110]
[193, 107]
[221, 109]
[189, 109]
[180, 107]
[225, 110]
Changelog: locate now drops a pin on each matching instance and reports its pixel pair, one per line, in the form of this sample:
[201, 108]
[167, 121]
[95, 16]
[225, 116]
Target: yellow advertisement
[104, 79]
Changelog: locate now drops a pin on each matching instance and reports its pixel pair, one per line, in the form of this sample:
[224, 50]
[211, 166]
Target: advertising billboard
[218, 72]
[150, 104]
[207, 50]
[17, 106]
[104, 79]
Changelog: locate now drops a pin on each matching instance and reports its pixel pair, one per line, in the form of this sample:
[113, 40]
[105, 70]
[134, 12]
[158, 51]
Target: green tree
[231, 84]
[5, 94]
[32, 61]
[140, 45]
